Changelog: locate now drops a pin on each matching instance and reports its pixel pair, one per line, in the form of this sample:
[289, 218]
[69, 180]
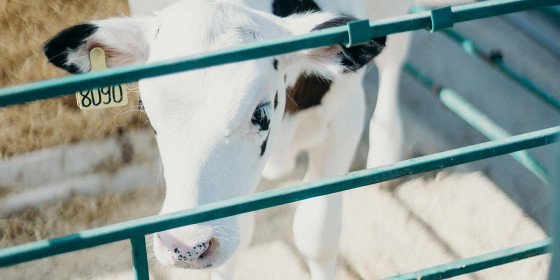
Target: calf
[218, 127]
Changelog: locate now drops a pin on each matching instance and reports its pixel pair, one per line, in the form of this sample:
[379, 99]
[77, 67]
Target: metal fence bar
[258, 201]
[481, 262]
[139, 257]
[497, 62]
[554, 11]
[552, 15]
[554, 273]
[337, 35]
[477, 120]
[534, 32]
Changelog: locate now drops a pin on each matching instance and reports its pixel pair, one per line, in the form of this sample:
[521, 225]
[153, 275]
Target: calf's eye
[260, 117]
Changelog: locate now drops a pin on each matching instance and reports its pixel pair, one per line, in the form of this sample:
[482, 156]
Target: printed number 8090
[102, 97]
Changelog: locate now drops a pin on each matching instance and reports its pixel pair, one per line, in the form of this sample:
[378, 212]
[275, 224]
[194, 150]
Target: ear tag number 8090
[99, 98]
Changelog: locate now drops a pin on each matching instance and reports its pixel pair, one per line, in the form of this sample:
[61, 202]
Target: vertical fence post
[139, 258]
[555, 263]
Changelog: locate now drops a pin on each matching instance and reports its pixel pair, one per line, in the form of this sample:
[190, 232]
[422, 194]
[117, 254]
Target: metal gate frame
[352, 34]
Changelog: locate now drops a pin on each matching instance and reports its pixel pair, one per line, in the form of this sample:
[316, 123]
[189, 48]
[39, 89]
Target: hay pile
[26, 25]
[79, 213]
[70, 216]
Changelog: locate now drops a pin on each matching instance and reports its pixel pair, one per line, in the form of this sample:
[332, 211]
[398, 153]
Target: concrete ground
[425, 221]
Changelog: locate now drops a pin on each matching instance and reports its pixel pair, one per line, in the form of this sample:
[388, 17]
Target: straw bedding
[26, 25]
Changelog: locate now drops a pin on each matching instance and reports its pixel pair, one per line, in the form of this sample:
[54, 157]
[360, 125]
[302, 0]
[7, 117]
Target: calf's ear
[124, 40]
[330, 61]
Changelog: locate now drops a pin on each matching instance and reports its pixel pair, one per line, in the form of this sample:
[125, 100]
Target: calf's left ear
[353, 58]
[332, 60]
[124, 40]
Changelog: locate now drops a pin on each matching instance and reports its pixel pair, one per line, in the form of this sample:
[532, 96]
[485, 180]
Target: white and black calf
[217, 127]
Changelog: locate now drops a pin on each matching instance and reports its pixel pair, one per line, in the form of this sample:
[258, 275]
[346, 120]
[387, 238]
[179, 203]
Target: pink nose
[172, 251]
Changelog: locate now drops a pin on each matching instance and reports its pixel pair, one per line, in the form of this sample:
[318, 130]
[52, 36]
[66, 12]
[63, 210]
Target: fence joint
[442, 18]
[358, 33]
[139, 257]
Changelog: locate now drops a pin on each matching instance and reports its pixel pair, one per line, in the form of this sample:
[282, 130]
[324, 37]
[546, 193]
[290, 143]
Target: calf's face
[214, 126]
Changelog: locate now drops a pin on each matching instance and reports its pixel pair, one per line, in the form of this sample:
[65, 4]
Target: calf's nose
[185, 254]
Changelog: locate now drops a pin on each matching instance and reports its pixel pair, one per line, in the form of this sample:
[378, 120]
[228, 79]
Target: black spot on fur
[284, 8]
[355, 57]
[57, 48]
[306, 93]
[276, 100]
[263, 145]
[275, 63]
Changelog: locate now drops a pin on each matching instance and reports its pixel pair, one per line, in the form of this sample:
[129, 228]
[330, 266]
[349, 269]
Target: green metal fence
[434, 20]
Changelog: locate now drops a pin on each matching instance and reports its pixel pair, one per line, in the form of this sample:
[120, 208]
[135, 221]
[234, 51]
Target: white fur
[210, 148]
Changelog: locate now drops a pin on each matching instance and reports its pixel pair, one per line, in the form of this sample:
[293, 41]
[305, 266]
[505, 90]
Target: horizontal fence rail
[553, 11]
[337, 35]
[478, 120]
[140, 227]
[495, 60]
[535, 32]
[478, 263]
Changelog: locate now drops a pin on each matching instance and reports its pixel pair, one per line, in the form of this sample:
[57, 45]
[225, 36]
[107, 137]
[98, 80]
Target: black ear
[68, 41]
[356, 57]
[124, 40]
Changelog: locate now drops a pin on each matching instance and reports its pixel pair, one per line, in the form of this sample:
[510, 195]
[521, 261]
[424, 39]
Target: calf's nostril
[177, 253]
[210, 248]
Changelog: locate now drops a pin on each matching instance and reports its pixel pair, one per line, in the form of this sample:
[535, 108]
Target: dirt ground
[418, 225]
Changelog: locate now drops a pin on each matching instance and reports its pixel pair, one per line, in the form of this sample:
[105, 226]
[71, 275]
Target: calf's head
[214, 126]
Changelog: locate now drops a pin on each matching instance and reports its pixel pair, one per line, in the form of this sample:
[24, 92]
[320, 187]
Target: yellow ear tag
[99, 98]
